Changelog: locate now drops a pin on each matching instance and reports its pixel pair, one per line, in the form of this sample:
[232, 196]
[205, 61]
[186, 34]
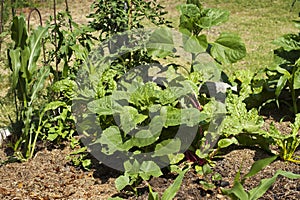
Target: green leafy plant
[194, 18]
[242, 126]
[284, 75]
[238, 191]
[171, 190]
[287, 143]
[111, 17]
[28, 81]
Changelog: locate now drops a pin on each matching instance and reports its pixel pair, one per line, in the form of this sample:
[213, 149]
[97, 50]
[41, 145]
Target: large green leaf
[130, 118]
[112, 138]
[35, 47]
[259, 165]
[39, 82]
[121, 182]
[289, 42]
[15, 66]
[145, 136]
[228, 48]
[148, 169]
[102, 106]
[160, 43]
[195, 44]
[189, 10]
[167, 147]
[212, 17]
[19, 32]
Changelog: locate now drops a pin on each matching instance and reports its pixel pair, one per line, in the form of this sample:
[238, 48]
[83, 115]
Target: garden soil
[50, 175]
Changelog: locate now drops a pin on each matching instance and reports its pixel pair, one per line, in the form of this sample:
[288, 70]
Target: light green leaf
[39, 82]
[228, 48]
[35, 47]
[281, 84]
[195, 44]
[148, 169]
[160, 43]
[289, 42]
[223, 143]
[297, 78]
[259, 165]
[121, 182]
[112, 138]
[265, 184]
[130, 118]
[167, 147]
[212, 17]
[102, 106]
[238, 190]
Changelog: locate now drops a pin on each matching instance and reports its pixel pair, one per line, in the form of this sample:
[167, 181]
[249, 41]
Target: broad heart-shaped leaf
[167, 147]
[39, 82]
[35, 47]
[121, 182]
[212, 17]
[160, 43]
[148, 169]
[172, 190]
[265, 184]
[228, 48]
[112, 138]
[288, 42]
[130, 118]
[145, 136]
[195, 44]
[19, 32]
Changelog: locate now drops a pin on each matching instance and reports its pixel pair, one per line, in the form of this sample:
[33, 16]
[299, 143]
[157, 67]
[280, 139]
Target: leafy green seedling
[287, 143]
[171, 191]
[238, 191]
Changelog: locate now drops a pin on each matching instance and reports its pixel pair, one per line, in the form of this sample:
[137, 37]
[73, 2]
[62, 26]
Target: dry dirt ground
[49, 175]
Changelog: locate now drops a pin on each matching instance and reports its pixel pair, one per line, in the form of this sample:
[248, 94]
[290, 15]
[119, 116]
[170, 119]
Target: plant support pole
[55, 39]
[41, 23]
[1, 23]
[67, 11]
